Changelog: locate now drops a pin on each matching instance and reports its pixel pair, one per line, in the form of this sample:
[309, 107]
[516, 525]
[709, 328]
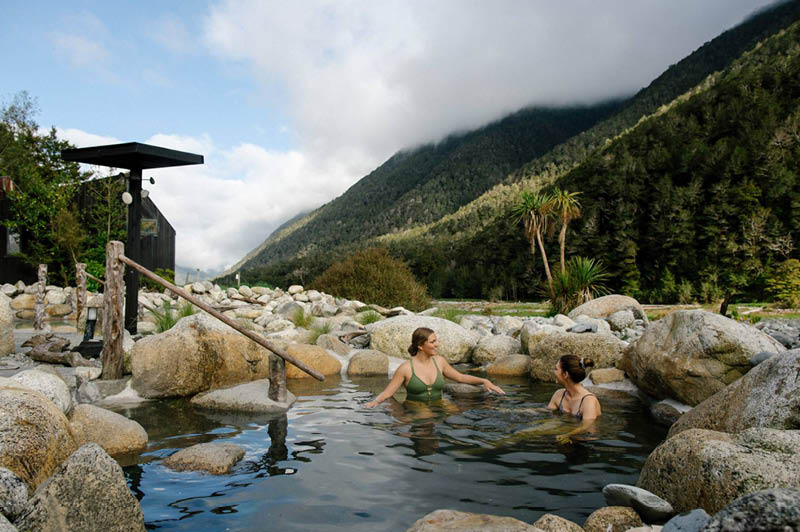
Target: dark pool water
[331, 464]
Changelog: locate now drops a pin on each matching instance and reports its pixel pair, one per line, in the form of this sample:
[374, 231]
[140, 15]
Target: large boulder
[250, 397]
[492, 348]
[604, 350]
[6, 326]
[115, 433]
[768, 396]
[88, 492]
[774, 509]
[690, 355]
[368, 362]
[35, 436]
[393, 337]
[457, 521]
[315, 357]
[510, 366]
[533, 332]
[603, 307]
[48, 384]
[707, 469]
[199, 353]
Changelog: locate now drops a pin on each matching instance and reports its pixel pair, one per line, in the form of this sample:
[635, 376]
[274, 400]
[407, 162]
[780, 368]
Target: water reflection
[332, 464]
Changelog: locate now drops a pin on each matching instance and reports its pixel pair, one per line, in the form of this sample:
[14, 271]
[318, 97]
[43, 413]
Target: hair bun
[412, 350]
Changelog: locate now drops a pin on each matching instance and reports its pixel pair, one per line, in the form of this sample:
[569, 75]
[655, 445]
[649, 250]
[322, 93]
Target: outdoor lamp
[91, 321]
[145, 193]
[127, 198]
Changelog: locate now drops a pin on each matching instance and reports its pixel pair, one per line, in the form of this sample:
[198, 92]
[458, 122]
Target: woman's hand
[371, 404]
[564, 439]
[493, 387]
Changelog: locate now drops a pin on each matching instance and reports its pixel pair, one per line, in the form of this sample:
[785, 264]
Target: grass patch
[301, 319]
[452, 314]
[165, 319]
[316, 332]
[370, 316]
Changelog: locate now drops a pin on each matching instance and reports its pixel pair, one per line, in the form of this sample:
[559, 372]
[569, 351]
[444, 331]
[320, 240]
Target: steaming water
[331, 464]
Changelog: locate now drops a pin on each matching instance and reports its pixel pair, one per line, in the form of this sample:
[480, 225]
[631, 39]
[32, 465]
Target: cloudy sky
[293, 102]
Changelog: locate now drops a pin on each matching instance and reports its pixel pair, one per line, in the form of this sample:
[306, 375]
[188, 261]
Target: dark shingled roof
[131, 155]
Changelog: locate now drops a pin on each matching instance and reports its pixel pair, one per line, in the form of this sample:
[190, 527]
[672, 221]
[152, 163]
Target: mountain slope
[697, 201]
[424, 184]
[393, 196]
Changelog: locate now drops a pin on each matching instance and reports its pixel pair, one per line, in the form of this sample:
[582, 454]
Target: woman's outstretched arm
[451, 373]
[399, 377]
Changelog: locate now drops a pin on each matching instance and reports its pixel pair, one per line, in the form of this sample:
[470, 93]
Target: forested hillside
[424, 184]
[477, 252]
[703, 197]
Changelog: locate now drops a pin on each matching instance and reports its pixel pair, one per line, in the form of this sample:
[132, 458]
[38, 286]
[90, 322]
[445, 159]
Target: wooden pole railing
[277, 389]
[38, 308]
[80, 292]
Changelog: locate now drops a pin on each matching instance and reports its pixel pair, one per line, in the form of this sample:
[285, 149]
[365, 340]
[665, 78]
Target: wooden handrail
[224, 319]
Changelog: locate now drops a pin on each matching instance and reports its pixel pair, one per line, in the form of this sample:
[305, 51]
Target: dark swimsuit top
[579, 414]
[419, 391]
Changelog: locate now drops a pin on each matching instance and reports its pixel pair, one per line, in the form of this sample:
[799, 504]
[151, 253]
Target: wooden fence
[113, 307]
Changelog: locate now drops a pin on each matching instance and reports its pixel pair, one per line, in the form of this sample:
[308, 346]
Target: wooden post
[38, 309]
[260, 340]
[113, 305]
[80, 296]
[277, 379]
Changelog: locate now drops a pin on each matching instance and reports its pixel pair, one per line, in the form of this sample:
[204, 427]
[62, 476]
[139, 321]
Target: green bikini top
[419, 391]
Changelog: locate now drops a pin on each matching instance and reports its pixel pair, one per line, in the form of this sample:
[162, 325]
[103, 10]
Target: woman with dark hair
[426, 367]
[574, 399]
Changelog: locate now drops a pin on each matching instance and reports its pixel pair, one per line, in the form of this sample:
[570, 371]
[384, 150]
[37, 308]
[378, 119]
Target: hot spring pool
[331, 464]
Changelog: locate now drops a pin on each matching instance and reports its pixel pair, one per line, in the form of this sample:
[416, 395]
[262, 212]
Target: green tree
[565, 206]
[46, 184]
[533, 210]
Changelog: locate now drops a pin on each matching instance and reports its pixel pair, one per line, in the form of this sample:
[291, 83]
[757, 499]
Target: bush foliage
[373, 276]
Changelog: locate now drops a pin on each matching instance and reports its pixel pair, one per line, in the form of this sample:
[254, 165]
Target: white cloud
[83, 44]
[381, 75]
[361, 80]
[171, 33]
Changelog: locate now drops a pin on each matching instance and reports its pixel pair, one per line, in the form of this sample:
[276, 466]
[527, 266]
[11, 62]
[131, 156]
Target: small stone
[554, 523]
[295, 289]
[583, 328]
[612, 519]
[464, 389]
[693, 521]
[214, 458]
[651, 507]
[760, 357]
[13, 494]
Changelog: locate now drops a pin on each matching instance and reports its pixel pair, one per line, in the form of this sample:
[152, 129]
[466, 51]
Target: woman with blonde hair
[423, 375]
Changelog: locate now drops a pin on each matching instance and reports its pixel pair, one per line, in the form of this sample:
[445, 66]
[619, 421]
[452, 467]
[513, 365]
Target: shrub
[784, 283]
[685, 293]
[148, 284]
[373, 276]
